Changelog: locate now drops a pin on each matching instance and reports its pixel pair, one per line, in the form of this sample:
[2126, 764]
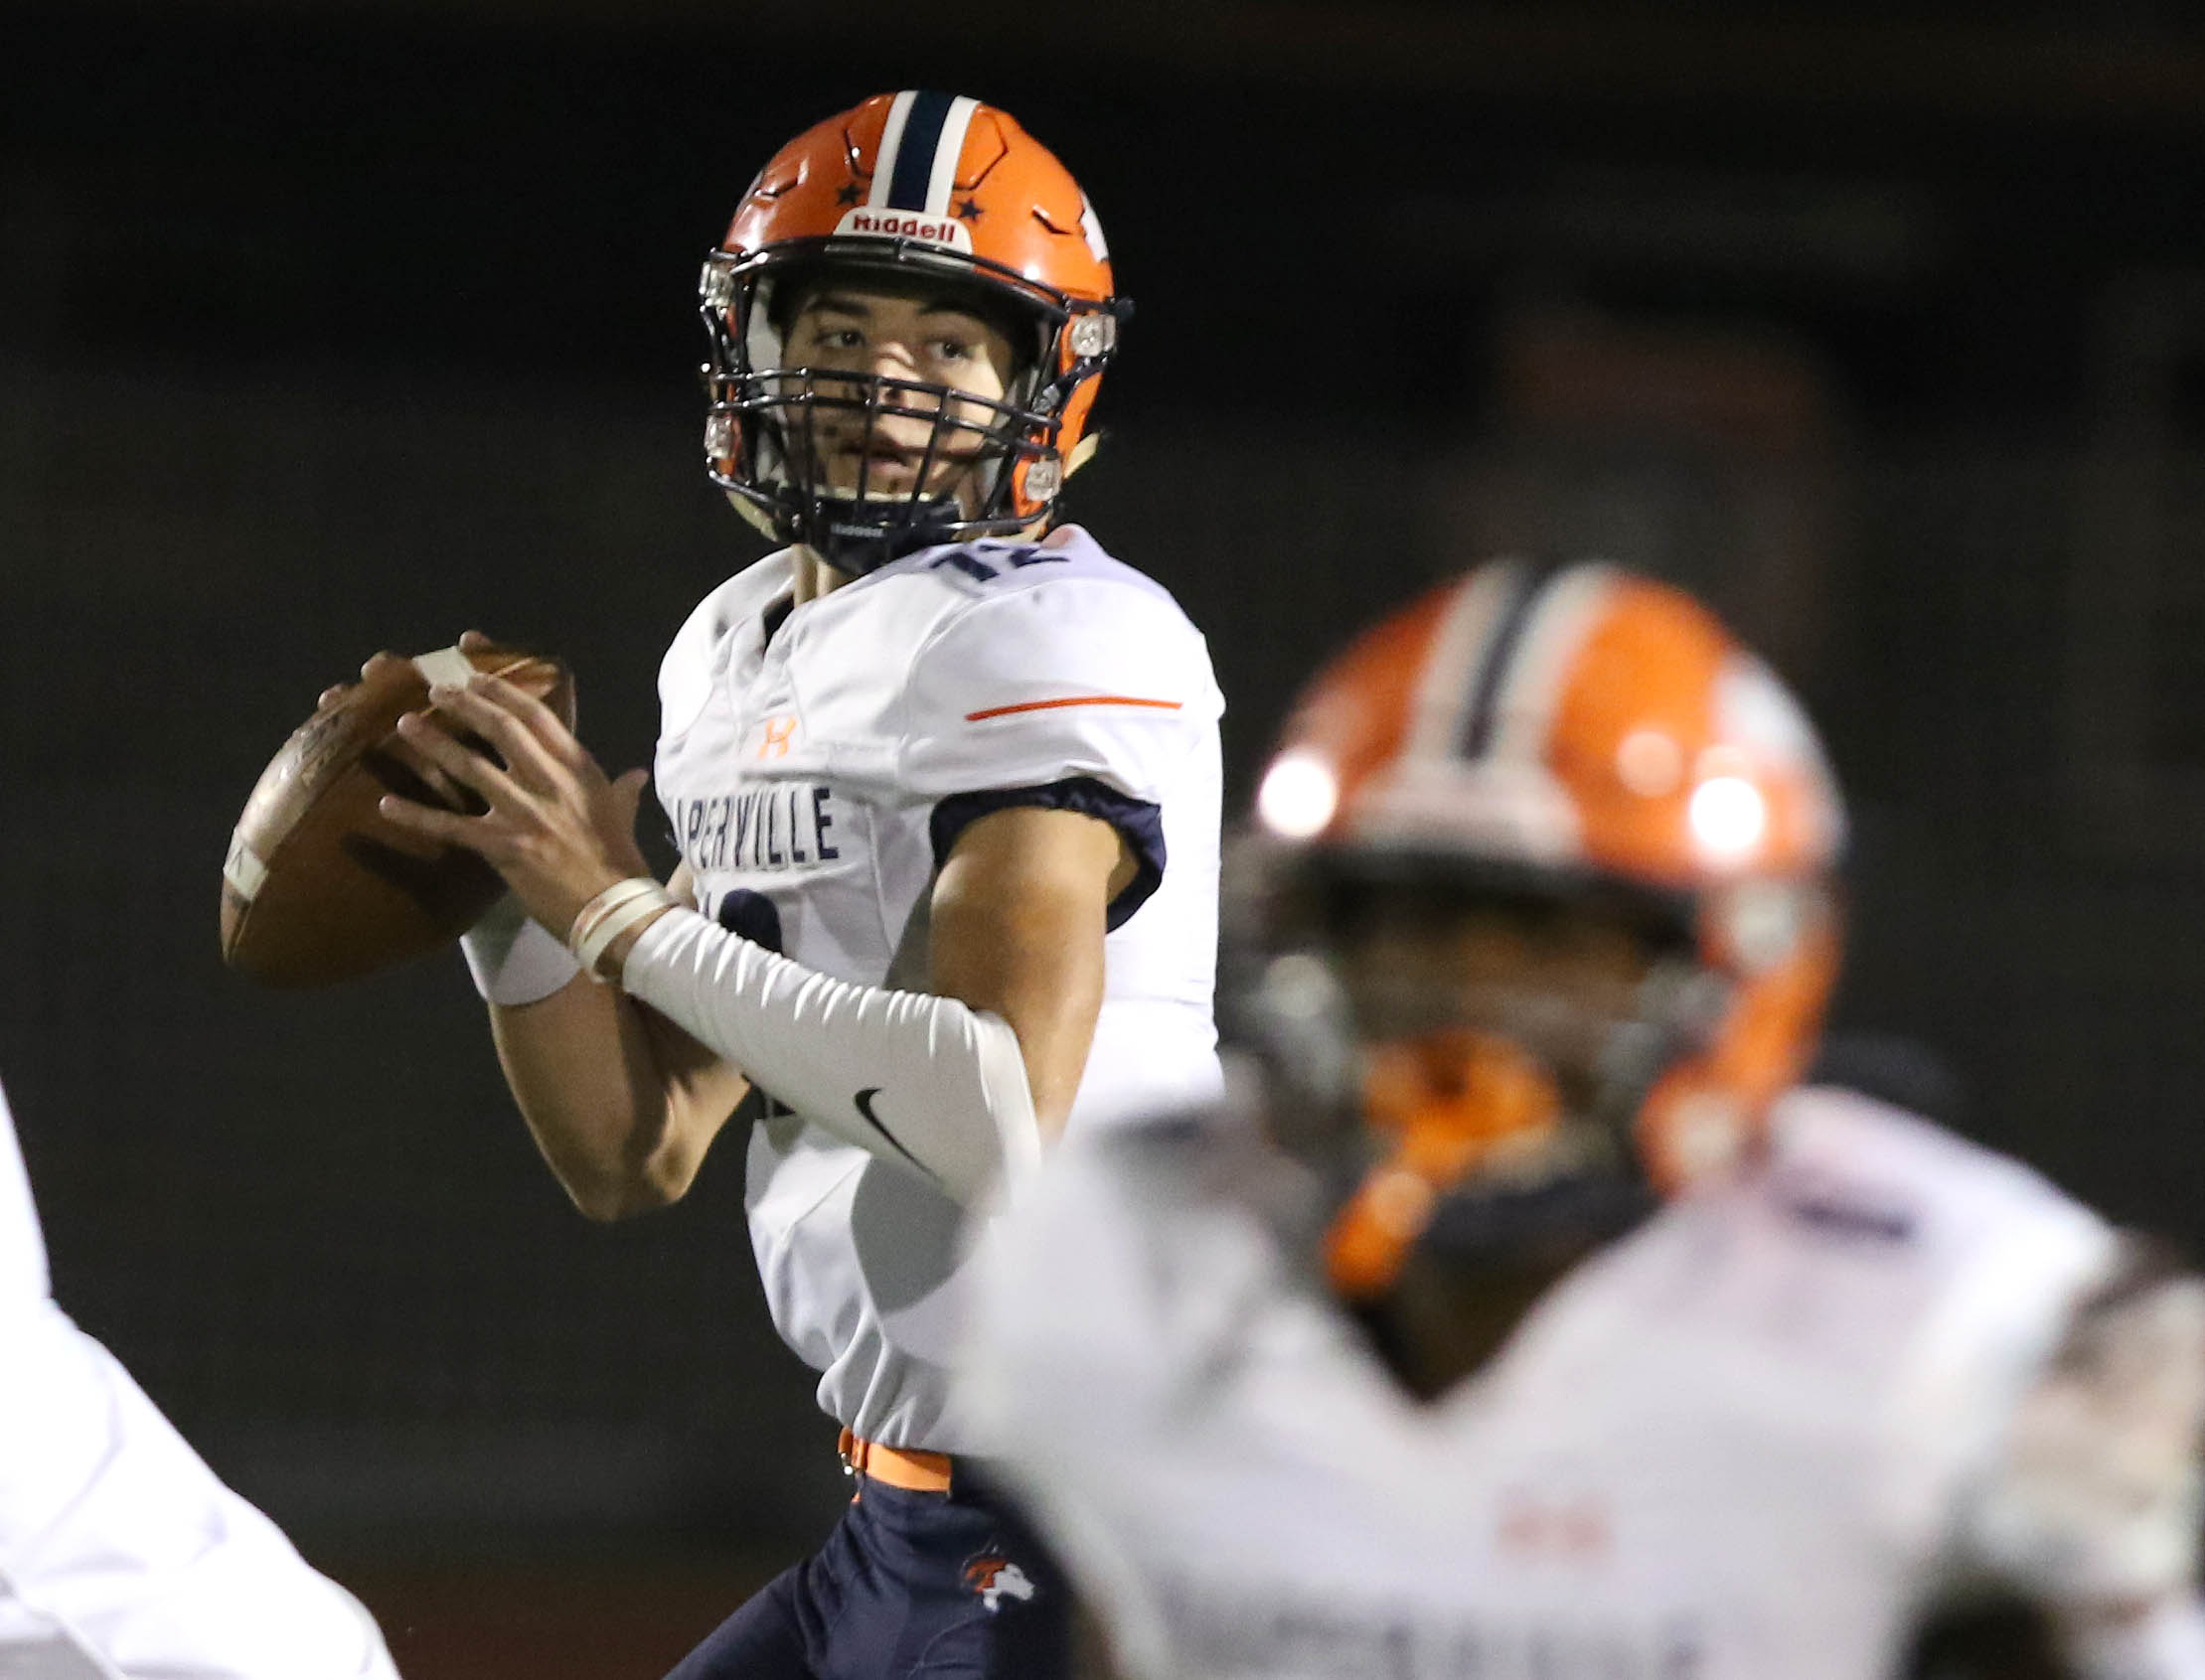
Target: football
[317, 886]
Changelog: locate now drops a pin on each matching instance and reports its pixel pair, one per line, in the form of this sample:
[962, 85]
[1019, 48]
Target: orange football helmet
[1573, 738]
[910, 186]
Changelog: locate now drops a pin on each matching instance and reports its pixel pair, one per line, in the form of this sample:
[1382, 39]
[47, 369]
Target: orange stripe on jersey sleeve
[1071, 700]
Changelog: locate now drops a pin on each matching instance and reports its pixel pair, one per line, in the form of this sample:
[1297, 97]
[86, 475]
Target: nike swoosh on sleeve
[862, 1102]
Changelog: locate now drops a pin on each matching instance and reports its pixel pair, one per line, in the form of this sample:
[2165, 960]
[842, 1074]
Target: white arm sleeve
[924, 1081]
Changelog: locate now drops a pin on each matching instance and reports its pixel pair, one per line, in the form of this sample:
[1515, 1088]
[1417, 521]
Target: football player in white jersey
[1566, 1335]
[123, 1557]
[944, 777]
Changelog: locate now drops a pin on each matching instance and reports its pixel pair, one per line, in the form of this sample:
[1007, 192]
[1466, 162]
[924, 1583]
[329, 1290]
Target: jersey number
[981, 568]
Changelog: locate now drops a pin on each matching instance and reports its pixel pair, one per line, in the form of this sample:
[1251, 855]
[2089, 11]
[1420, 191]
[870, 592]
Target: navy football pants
[947, 1586]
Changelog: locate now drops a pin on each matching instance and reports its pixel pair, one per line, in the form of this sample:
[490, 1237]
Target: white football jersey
[817, 763]
[22, 1249]
[120, 1552]
[1748, 1439]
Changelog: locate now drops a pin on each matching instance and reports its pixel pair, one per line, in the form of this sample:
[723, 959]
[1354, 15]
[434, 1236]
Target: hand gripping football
[318, 887]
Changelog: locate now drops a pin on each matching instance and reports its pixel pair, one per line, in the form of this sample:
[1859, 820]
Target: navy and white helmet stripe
[1499, 661]
[1528, 583]
[919, 148]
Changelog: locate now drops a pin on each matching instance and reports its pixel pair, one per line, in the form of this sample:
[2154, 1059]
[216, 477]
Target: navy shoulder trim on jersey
[1139, 822]
[1842, 1207]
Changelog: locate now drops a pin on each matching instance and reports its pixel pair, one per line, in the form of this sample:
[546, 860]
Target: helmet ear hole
[1758, 925]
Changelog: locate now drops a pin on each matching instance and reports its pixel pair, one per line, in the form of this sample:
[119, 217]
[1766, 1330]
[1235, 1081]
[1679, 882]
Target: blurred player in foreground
[121, 1556]
[944, 778]
[1523, 1319]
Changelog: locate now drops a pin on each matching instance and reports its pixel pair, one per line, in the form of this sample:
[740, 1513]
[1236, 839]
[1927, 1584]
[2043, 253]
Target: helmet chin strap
[840, 532]
[848, 556]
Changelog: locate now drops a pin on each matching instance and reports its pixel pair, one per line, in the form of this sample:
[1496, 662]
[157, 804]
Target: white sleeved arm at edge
[925, 1081]
[2094, 1501]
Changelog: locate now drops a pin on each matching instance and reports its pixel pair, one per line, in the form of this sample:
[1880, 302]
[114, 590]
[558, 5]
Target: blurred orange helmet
[910, 186]
[1573, 736]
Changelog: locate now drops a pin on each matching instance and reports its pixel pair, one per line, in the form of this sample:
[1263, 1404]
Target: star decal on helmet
[968, 209]
[849, 193]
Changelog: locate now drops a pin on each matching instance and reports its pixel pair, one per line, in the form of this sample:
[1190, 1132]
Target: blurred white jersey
[1758, 1436]
[817, 764]
[21, 1248]
[123, 1557]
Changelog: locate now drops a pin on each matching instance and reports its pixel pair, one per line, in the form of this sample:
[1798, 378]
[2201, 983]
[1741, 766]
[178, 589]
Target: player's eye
[953, 349]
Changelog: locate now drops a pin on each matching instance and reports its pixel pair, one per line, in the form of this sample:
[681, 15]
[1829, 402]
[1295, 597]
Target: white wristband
[612, 913]
[511, 960]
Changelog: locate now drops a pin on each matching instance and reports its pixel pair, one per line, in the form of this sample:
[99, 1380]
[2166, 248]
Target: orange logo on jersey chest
[1576, 1530]
[775, 734]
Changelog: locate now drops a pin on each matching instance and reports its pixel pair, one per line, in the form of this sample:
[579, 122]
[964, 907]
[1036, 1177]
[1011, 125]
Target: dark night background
[330, 328]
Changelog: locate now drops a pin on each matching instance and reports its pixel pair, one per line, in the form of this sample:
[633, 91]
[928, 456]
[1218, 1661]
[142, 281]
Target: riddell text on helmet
[904, 224]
